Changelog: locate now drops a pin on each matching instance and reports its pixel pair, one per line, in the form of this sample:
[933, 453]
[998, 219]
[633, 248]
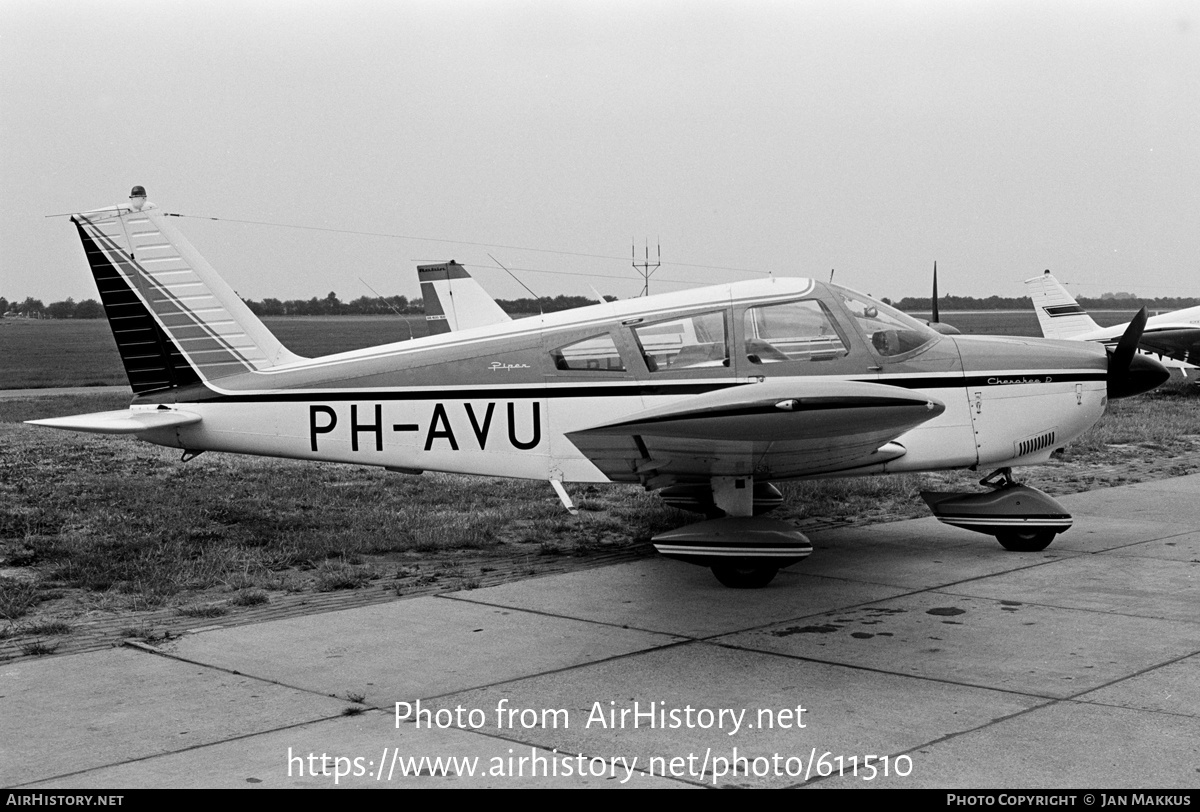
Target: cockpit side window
[593, 354]
[687, 343]
[793, 331]
[890, 332]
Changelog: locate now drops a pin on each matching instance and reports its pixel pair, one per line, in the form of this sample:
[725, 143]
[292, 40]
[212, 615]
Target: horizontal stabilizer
[122, 421]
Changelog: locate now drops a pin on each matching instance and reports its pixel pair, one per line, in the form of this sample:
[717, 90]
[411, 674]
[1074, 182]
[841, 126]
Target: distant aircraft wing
[774, 429]
[1176, 341]
[122, 421]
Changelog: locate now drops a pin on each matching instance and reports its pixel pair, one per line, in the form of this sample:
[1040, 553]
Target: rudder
[454, 300]
[175, 321]
[1059, 315]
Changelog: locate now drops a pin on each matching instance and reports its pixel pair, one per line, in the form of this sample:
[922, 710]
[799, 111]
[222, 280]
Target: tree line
[1107, 301]
[67, 309]
[331, 305]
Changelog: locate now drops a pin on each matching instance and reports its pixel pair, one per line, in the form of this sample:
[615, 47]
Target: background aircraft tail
[454, 300]
[1059, 315]
[175, 321]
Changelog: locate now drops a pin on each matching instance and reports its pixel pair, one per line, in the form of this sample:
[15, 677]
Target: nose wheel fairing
[1022, 518]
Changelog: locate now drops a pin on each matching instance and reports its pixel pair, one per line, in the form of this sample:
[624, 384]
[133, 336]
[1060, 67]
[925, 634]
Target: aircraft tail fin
[175, 321]
[454, 300]
[1059, 315]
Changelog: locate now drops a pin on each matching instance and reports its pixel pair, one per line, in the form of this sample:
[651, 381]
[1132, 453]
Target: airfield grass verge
[115, 528]
[81, 352]
[98, 525]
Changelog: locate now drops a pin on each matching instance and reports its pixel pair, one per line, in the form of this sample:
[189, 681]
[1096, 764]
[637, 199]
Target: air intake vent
[1033, 444]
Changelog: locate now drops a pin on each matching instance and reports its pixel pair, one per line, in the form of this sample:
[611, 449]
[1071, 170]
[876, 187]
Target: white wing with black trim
[776, 429]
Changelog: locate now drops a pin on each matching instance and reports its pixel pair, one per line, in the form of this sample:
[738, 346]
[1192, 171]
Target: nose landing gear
[1023, 519]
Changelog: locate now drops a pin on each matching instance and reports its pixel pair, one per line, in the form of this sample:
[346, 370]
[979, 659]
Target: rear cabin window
[795, 331]
[594, 354]
[687, 343]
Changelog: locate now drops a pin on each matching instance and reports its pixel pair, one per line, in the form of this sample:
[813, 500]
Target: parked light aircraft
[706, 396]
[454, 300]
[1174, 337]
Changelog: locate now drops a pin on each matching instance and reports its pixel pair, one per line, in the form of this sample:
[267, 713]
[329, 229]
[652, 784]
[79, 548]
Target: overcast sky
[997, 138]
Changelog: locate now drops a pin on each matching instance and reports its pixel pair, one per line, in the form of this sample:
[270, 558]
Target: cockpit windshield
[889, 331]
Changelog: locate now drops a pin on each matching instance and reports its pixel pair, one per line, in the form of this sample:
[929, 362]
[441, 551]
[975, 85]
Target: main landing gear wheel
[744, 577]
[1025, 541]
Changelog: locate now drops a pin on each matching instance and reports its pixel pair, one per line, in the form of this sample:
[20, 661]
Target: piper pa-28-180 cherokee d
[706, 396]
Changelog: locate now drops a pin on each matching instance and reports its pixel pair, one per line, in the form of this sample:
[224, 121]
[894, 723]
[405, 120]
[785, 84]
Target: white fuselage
[487, 401]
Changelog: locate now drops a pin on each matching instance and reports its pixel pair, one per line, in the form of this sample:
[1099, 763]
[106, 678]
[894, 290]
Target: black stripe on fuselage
[1005, 378]
[204, 394]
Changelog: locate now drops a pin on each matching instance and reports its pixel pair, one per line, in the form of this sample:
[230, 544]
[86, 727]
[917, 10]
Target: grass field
[38, 354]
[109, 524]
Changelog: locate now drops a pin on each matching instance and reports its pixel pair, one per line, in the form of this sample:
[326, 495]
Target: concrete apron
[912, 654]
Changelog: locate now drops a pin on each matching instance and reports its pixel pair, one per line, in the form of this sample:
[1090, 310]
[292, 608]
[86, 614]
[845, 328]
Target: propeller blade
[1127, 346]
[1130, 373]
[935, 322]
[935, 319]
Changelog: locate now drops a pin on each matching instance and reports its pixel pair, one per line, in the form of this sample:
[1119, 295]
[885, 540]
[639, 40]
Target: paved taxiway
[1076, 667]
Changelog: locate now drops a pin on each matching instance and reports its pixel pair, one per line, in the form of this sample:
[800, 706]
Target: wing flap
[122, 421]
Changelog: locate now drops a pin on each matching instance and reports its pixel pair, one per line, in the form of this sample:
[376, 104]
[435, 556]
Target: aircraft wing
[122, 421]
[1176, 341]
[774, 429]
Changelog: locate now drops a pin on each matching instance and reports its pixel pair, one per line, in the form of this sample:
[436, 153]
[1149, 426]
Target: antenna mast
[646, 269]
